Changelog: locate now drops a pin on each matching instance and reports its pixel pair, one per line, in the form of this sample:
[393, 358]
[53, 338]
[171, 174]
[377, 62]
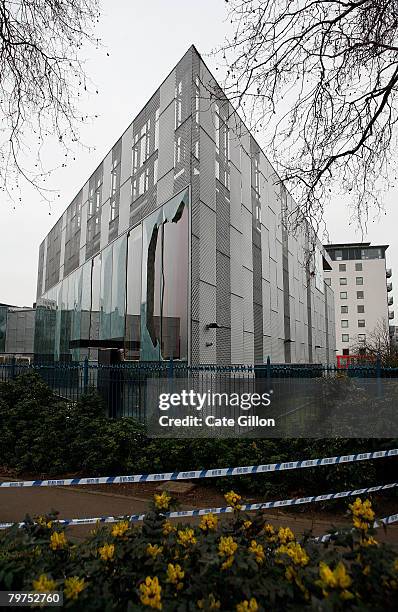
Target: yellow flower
[258, 551]
[73, 586]
[106, 552]
[233, 500]
[366, 570]
[208, 523]
[175, 575]
[41, 520]
[120, 529]
[150, 593]
[43, 584]
[290, 573]
[167, 528]
[57, 540]
[228, 562]
[285, 535]
[247, 524]
[362, 513]
[227, 546]
[212, 603]
[295, 552]
[369, 541]
[162, 500]
[333, 579]
[247, 606]
[186, 537]
[153, 550]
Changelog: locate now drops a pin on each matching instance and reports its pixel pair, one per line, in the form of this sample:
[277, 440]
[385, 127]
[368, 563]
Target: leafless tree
[377, 345]
[318, 80]
[41, 79]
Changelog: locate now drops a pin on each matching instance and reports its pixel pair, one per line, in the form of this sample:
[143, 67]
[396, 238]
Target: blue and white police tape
[210, 473]
[387, 520]
[133, 518]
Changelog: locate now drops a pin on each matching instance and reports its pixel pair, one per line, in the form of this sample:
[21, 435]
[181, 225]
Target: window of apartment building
[358, 267]
[359, 280]
[343, 309]
[338, 255]
[72, 237]
[344, 323]
[178, 104]
[361, 322]
[361, 337]
[115, 179]
[343, 295]
[141, 146]
[346, 351]
[360, 295]
[222, 147]
[343, 281]
[94, 212]
[360, 308]
[328, 281]
[342, 267]
[345, 337]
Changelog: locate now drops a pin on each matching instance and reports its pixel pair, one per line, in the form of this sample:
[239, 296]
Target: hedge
[242, 564]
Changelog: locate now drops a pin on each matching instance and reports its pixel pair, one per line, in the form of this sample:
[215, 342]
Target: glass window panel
[345, 338]
[344, 323]
[106, 294]
[343, 281]
[359, 280]
[118, 287]
[343, 295]
[133, 293]
[165, 282]
[95, 300]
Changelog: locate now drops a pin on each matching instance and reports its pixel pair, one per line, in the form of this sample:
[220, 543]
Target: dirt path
[79, 502]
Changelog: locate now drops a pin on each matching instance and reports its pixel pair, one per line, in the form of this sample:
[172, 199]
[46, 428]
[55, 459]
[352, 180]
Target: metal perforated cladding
[223, 343]
[182, 155]
[195, 343]
[223, 219]
[195, 277]
[207, 315]
[167, 91]
[223, 290]
[207, 244]
[236, 261]
[237, 354]
[207, 170]
[39, 289]
[166, 140]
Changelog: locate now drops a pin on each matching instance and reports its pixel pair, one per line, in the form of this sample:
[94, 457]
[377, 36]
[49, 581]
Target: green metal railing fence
[123, 386]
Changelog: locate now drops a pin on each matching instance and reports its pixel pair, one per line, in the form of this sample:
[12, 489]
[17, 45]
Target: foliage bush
[41, 435]
[242, 564]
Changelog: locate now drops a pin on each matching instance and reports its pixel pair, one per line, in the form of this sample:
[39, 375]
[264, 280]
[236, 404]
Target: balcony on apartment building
[390, 314]
[390, 300]
[389, 286]
[388, 273]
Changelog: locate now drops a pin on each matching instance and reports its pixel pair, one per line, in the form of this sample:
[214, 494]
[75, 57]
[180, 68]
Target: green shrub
[243, 564]
[41, 435]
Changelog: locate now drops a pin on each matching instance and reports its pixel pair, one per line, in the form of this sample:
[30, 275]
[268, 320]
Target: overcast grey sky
[144, 41]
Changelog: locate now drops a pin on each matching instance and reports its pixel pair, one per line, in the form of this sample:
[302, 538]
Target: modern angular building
[176, 246]
[362, 290]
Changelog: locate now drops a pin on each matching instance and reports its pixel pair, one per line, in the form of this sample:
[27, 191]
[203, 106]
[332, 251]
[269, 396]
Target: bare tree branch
[318, 80]
[41, 80]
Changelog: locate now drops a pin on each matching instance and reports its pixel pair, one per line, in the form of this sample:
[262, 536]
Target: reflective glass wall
[132, 295]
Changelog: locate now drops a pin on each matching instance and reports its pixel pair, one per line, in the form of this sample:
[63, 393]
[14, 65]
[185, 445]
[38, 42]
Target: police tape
[387, 520]
[133, 518]
[209, 473]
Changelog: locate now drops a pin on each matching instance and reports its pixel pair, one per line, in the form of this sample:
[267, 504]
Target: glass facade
[132, 295]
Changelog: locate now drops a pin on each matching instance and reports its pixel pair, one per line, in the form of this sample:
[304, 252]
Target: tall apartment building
[175, 247]
[361, 285]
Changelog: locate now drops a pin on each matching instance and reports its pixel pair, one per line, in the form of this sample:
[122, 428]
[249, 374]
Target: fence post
[268, 370]
[85, 374]
[13, 366]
